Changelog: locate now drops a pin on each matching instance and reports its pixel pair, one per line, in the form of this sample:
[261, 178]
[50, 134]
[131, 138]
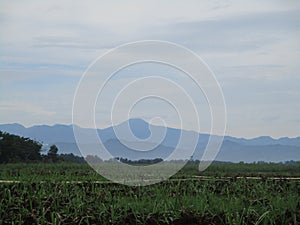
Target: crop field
[67, 193]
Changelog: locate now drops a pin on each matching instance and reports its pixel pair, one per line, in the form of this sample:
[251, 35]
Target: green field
[67, 193]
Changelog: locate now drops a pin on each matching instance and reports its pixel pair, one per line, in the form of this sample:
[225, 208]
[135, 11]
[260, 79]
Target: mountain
[145, 136]
[234, 152]
[266, 140]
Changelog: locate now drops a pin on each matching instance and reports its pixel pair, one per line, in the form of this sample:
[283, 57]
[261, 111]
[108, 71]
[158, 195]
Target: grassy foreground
[42, 197]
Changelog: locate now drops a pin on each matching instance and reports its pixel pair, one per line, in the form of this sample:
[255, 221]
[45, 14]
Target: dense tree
[72, 158]
[14, 148]
[52, 155]
[140, 161]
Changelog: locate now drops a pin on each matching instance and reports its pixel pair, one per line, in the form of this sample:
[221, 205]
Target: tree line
[14, 148]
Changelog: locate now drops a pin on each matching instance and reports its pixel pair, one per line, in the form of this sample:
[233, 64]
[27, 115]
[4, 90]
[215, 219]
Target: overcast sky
[252, 47]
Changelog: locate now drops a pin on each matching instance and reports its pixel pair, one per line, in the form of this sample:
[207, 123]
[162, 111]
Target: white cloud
[22, 107]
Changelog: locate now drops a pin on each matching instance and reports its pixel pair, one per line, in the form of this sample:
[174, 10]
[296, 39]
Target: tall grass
[43, 197]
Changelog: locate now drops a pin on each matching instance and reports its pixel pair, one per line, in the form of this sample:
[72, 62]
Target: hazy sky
[253, 47]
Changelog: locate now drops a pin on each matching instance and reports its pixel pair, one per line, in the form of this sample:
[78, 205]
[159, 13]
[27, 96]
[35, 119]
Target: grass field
[74, 194]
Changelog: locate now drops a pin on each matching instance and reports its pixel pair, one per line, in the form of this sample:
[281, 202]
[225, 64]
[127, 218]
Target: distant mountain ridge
[233, 149]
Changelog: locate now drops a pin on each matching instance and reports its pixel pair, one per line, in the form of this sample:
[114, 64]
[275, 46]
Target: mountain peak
[264, 138]
[138, 126]
[137, 121]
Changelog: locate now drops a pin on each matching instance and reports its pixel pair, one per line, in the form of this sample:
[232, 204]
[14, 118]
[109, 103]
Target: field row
[190, 202]
[83, 172]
